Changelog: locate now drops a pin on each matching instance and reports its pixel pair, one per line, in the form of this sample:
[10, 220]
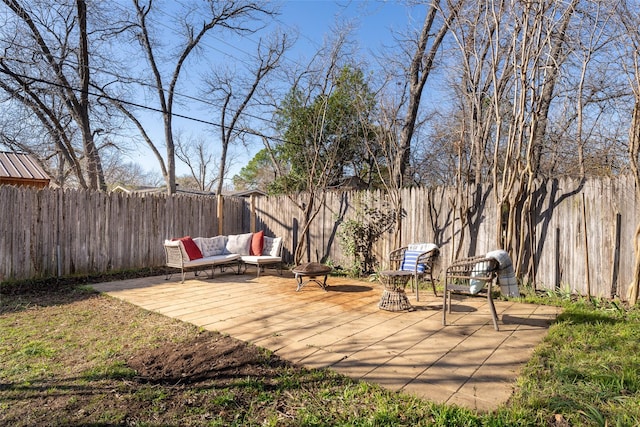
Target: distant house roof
[143, 189]
[21, 169]
[137, 189]
[350, 183]
[248, 193]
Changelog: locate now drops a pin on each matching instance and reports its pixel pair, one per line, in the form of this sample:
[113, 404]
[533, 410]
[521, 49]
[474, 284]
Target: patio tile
[396, 373]
[355, 368]
[425, 389]
[467, 362]
[294, 352]
[321, 359]
[477, 400]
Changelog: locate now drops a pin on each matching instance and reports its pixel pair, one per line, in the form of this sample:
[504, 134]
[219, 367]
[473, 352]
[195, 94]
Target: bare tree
[235, 94]
[200, 162]
[473, 85]
[481, 72]
[422, 62]
[119, 172]
[399, 115]
[589, 91]
[634, 153]
[384, 147]
[534, 35]
[49, 74]
[198, 20]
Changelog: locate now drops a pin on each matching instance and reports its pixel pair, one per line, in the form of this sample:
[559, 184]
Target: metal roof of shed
[20, 166]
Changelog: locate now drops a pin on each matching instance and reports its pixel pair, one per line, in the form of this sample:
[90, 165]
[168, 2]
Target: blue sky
[313, 20]
[374, 19]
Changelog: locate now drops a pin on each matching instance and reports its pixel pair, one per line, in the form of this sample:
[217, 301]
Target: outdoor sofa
[232, 251]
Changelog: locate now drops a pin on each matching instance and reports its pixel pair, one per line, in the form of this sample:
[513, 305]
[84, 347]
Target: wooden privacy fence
[54, 232]
[579, 239]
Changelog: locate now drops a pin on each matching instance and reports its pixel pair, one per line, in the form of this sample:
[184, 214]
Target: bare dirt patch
[209, 356]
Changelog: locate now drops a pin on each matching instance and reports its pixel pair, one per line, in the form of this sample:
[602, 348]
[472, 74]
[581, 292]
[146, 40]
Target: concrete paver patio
[466, 363]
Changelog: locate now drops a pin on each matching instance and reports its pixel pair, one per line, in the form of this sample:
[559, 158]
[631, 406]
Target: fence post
[252, 214]
[586, 244]
[616, 256]
[558, 275]
[220, 214]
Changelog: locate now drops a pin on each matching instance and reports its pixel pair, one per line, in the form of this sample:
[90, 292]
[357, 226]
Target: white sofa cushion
[211, 246]
[260, 259]
[272, 246]
[238, 244]
[212, 260]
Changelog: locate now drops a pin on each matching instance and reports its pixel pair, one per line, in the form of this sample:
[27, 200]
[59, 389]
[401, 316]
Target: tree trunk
[302, 240]
[94, 165]
[553, 61]
[634, 152]
[422, 64]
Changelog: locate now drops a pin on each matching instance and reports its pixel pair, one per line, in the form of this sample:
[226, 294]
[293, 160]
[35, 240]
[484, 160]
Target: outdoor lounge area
[466, 363]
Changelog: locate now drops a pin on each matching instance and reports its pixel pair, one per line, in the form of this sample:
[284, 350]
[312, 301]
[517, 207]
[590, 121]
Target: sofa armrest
[173, 254]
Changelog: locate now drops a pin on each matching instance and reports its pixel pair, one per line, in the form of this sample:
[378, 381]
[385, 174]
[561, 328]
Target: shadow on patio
[466, 363]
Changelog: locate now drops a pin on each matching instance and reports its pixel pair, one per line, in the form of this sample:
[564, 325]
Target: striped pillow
[409, 262]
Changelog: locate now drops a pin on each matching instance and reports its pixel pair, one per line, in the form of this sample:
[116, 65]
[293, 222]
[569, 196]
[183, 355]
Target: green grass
[63, 360]
[588, 367]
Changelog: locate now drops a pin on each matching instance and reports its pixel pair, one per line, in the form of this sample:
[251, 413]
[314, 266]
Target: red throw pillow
[190, 247]
[257, 243]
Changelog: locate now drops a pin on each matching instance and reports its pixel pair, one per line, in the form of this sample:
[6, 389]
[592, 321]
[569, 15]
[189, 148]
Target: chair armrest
[466, 266]
[428, 258]
[396, 256]
[460, 273]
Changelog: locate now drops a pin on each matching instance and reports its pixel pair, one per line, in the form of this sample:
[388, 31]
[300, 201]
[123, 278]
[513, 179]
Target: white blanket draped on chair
[506, 274]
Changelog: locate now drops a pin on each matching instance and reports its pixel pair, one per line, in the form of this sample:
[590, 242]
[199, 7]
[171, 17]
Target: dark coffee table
[311, 271]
